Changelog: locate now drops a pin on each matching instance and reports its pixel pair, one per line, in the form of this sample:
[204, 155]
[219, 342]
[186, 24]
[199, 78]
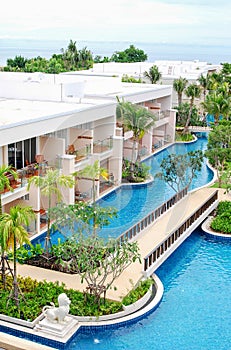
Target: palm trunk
[133, 158]
[48, 235]
[15, 283]
[3, 265]
[93, 201]
[189, 118]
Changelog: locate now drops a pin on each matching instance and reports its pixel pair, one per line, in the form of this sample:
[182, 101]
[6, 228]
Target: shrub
[222, 220]
[138, 292]
[38, 294]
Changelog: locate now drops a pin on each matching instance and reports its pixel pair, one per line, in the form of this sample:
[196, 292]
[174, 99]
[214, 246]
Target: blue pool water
[135, 202]
[195, 310]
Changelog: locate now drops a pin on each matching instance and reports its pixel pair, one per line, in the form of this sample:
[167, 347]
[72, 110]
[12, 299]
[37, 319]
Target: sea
[28, 48]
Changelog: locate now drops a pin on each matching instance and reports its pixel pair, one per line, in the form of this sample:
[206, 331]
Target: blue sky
[182, 21]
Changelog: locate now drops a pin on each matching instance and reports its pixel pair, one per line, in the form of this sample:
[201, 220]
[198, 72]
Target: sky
[163, 21]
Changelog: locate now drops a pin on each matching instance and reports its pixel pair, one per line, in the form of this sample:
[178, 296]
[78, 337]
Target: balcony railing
[103, 146]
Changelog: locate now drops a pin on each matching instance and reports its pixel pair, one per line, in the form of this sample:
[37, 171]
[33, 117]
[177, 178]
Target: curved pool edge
[212, 234]
[140, 312]
[43, 341]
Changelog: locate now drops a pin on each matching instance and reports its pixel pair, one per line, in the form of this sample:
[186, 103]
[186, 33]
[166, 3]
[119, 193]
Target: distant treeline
[71, 59]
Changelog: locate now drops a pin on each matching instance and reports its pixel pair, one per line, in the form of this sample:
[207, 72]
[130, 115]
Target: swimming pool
[135, 202]
[195, 310]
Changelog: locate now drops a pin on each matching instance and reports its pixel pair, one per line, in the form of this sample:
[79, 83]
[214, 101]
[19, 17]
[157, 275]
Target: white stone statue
[58, 314]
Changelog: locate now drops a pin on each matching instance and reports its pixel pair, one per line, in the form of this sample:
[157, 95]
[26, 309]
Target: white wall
[51, 147]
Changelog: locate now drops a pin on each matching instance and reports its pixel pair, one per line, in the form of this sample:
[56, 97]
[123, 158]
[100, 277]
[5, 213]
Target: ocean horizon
[29, 48]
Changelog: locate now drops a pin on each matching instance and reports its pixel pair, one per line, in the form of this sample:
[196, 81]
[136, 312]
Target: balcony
[80, 153]
[103, 146]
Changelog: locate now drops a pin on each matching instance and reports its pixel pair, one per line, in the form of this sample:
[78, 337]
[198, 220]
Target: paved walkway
[148, 239]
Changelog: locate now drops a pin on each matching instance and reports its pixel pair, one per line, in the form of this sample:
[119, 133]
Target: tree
[16, 63]
[93, 173]
[218, 149]
[178, 170]
[131, 54]
[192, 91]
[217, 105]
[183, 111]
[153, 74]
[137, 119]
[50, 185]
[4, 183]
[203, 80]
[179, 86]
[94, 216]
[13, 230]
[99, 262]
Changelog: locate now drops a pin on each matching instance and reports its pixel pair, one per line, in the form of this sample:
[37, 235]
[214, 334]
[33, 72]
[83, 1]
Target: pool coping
[216, 235]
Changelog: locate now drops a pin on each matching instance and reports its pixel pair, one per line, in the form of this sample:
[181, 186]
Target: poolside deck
[148, 239]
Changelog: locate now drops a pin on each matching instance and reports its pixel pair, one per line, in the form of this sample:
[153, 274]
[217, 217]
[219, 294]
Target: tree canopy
[219, 148]
[70, 59]
[153, 74]
[131, 54]
[178, 170]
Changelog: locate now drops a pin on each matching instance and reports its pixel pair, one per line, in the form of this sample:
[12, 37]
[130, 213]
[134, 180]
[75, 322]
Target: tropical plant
[192, 91]
[221, 222]
[44, 293]
[153, 74]
[140, 172]
[183, 111]
[93, 173]
[130, 79]
[138, 292]
[49, 186]
[93, 215]
[217, 105]
[100, 262]
[179, 86]
[12, 229]
[203, 80]
[218, 148]
[178, 170]
[136, 119]
[4, 183]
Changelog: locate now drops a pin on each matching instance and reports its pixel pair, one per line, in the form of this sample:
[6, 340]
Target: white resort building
[68, 121]
[170, 70]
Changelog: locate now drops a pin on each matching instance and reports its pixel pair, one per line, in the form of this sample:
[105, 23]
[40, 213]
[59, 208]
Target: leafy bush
[38, 294]
[223, 206]
[139, 174]
[222, 220]
[184, 137]
[26, 252]
[138, 292]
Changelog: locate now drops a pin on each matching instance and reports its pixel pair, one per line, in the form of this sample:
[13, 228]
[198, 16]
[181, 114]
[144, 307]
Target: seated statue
[57, 314]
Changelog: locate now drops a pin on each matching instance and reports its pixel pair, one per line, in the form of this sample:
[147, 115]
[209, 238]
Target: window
[22, 153]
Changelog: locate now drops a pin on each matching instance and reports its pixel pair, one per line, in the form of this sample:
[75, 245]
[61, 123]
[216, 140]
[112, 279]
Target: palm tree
[204, 80]
[4, 183]
[179, 86]
[137, 119]
[192, 91]
[49, 186]
[13, 230]
[153, 74]
[93, 173]
[217, 105]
